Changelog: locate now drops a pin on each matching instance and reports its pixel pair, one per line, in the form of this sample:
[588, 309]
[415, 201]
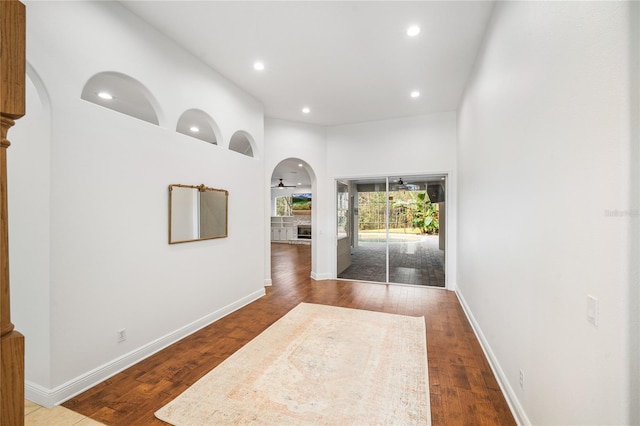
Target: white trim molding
[321, 277]
[514, 403]
[52, 397]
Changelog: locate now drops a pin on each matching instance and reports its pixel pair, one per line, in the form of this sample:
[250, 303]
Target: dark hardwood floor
[462, 386]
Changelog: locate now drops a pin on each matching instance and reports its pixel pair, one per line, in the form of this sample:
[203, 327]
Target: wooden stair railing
[12, 107]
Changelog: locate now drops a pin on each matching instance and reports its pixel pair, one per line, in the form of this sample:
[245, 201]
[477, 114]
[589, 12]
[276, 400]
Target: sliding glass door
[394, 230]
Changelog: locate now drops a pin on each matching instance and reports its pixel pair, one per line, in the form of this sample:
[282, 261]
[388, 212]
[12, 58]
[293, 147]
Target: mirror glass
[197, 213]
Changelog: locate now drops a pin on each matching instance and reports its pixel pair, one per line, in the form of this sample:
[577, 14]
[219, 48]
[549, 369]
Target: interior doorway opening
[391, 229]
[291, 203]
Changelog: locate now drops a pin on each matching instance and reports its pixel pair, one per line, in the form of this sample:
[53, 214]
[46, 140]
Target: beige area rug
[317, 365]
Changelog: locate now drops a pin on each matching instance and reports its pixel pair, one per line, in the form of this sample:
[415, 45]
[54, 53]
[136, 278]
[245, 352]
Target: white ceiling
[292, 172]
[348, 61]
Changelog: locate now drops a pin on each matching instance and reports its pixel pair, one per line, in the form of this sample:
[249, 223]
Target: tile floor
[35, 415]
[417, 262]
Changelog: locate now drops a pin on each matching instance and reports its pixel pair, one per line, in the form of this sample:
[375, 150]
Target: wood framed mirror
[197, 213]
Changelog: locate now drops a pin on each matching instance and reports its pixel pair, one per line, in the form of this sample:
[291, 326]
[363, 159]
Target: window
[283, 206]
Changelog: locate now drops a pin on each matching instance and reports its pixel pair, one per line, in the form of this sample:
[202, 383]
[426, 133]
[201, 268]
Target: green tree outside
[409, 212]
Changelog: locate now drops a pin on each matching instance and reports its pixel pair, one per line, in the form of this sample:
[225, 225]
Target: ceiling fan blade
[282, 185]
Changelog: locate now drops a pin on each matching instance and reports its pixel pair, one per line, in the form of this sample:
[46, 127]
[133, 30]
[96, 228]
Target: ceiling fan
[281, 185]
[402, 186]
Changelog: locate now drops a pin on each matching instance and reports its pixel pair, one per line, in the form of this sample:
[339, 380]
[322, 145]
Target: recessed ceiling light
[258, 66]
[194, 129]
[299, 183]
[413, 31]
[306, 110]
[415, 94]
[300, 165]
[105, 95]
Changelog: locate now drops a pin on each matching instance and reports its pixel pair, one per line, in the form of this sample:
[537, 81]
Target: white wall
[412, 145]
[424, 144]
[28, 174]
[634, 199]
[545, 160]
[102, 204]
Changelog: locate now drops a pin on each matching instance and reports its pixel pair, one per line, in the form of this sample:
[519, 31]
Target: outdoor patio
[412, 260]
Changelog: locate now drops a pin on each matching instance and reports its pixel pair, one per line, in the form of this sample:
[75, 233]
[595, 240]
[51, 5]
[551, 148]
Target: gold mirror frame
[196, 213]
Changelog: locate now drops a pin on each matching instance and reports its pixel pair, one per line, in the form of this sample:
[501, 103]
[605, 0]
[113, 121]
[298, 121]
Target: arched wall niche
[43, 93]
[122, 93]
[243, 143]
[200, 125]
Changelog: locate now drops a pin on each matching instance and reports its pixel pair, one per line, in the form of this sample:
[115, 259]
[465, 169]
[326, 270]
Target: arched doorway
[291, 208]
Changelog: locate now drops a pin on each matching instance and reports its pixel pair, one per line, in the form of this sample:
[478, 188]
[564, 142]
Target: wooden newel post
[12, 107]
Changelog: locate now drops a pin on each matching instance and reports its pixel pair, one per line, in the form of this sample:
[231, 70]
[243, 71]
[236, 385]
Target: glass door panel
[344, 223]
[416, 255]
[396, 240]
[368, 244]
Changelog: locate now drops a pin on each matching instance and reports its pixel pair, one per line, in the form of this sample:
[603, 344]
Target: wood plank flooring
[462, 386]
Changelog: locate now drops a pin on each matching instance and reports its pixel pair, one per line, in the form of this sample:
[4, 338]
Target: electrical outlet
[521, 378]
[122, 335]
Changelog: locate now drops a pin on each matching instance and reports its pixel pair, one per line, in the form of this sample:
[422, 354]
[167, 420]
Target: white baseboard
[52, 397]
[268, 282]
[320, 277]
[514, 403]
